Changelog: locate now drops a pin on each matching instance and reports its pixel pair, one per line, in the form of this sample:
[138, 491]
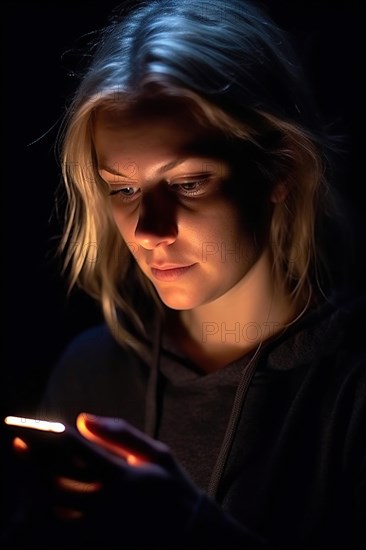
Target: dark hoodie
[277, 440]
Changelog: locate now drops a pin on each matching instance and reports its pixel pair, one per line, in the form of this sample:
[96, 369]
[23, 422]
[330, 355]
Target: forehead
[143, 130]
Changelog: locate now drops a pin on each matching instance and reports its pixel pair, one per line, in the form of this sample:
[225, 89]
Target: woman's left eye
[190, 188]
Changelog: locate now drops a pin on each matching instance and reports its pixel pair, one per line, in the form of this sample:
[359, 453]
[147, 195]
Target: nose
[157, 223]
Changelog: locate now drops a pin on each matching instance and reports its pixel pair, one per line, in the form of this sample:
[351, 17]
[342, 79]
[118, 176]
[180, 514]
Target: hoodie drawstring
[151, 411]
[152, 407]
[232, 424]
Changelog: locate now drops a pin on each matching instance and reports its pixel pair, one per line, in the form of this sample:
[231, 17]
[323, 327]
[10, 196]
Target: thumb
[115, 436]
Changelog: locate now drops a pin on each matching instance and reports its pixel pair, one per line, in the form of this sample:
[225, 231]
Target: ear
[279, 192]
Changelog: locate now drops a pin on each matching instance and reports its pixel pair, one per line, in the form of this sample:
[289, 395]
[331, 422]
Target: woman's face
[170, 201]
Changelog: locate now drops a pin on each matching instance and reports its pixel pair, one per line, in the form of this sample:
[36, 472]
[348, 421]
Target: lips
[168, 272]
[165, 267]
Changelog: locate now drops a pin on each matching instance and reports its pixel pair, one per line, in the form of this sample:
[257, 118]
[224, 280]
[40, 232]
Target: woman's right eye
[125, 194]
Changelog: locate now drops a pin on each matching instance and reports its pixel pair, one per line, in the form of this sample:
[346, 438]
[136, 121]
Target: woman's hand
[126, 484]
[105, 483]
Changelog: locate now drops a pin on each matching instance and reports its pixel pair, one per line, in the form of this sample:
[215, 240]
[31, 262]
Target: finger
[74, 494]
[119, 438]
[20, 446]
[77, 485]
[63, 513]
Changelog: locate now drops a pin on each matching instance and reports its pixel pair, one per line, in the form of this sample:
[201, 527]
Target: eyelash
[202, 183]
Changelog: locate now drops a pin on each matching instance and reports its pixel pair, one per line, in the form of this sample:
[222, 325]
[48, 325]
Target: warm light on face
[171, 186]
[130, 458]
[35, 424]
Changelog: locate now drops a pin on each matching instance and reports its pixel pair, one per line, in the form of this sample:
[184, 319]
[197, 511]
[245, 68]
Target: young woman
[222, 403]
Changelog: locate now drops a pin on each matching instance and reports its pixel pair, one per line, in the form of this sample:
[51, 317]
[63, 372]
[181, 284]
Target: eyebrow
[161, 170]
[207, 147]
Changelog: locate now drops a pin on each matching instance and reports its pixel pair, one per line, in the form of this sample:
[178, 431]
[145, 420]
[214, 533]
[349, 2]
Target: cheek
[231, 243]
[124, 223]
[126, 230]
[227, 223]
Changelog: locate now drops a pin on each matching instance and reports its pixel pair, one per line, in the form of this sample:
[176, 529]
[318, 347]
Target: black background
[40, 50]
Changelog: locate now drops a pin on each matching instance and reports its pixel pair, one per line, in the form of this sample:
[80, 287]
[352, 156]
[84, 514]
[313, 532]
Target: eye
[187, 188]
[190, 188]
[126, 194]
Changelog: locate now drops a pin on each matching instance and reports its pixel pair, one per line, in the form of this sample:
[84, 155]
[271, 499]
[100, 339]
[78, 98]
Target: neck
[250, 313]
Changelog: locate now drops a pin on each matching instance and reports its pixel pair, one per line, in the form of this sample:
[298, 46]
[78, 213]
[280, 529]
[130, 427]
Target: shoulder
[93, 373]
[328, 340]
[92, 345]
[94, 352]
[317, 374]
[345, 334]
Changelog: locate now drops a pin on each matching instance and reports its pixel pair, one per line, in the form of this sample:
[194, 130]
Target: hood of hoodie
[331, 325]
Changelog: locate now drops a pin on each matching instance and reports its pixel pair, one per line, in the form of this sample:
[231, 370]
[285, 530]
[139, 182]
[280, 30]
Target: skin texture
[168, 226]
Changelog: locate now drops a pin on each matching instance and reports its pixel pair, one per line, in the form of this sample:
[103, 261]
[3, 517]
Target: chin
[179, 300]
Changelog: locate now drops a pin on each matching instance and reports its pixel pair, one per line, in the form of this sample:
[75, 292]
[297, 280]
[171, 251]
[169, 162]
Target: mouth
[170, 273]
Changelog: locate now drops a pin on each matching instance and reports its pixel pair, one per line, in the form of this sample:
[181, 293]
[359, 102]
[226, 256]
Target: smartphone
[40, 437]
[56, 441]
[35, 424]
